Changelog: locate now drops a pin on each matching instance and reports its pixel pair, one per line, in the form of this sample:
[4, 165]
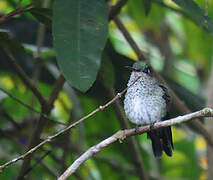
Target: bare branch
[114, 11]
[50, 169]
[50, 138]
[122, 134]
[30, 108]
[38, 161]
[17, 11]
[129, 39]
[25, 78]
[56, 89]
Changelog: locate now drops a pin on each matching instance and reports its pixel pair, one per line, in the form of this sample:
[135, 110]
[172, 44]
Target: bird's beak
[130, 68]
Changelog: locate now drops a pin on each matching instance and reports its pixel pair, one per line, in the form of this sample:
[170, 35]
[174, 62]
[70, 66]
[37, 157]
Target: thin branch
[50, 169]
[16, 125]
[206, 8]
[116, 165]
[114, 11]
[129, 39]
[66, 144]
[30, 108]
[50, 138]
[55, 91]
[40, 34]
[24, 77]
[122, 134]
[17, 11]
[37, 57]
[38, 161]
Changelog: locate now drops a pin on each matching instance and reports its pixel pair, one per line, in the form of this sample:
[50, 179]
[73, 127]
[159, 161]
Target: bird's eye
[147, 70]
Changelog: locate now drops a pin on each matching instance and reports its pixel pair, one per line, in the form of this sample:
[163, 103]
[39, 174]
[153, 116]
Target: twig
[129, 39]
[206, 8]
[30, 108]
[116, 165]
[24, 77]
[50, 138]
[16, 126]
[122, 134]
[40, 34]
[50, 169]
[17, 11]
[66, 144]
[37, 57]
[56, 89]
[38, 161]
[114, 11]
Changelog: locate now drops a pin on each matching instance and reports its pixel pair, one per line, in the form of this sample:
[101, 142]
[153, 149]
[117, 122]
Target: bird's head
[141, 66]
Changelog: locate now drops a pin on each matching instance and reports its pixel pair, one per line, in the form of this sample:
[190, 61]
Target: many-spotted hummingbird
[146, 102]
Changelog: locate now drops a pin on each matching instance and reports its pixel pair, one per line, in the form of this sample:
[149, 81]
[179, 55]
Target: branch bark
[30, 108]
[129, 39]
[122, 134]
[24, 77]
[115, 10]
[17, 11]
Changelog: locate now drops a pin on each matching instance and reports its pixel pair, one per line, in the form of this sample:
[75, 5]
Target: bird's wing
[166, 95]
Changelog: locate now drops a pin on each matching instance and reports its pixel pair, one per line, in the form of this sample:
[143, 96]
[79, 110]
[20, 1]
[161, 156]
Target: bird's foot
[137, 128]
[151, 126]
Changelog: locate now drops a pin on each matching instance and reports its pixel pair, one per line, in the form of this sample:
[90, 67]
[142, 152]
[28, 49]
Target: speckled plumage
[145, 103]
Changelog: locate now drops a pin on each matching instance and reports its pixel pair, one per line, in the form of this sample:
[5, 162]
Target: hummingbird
[146, 102]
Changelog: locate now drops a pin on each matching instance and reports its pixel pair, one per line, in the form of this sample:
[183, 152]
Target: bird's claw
[151, 126]
[137, 128]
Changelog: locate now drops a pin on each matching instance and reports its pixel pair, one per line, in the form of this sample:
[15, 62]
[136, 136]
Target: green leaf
[80, 30]
[196, 14]
[107, 72]
[147, 6]
[43, 15]
[154, 20]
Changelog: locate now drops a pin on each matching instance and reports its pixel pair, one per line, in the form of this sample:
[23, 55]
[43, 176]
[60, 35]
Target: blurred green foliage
[176, 38]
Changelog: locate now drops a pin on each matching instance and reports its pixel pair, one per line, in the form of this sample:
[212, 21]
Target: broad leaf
[107, 72]
[80, 31]
[43, 15]
[196, 13]
[147, 6]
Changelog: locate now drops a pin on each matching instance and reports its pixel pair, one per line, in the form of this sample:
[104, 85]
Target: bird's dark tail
[161, 141]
